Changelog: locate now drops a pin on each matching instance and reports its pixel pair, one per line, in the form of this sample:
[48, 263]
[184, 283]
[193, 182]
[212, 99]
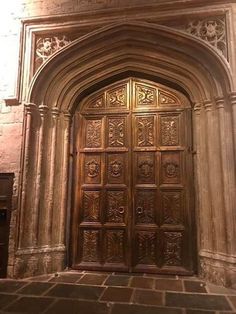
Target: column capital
[220, 102]
[208, 105]
[232, 98]
[197, 107]
[55, 112]
[29, 107]
[43, 109]
[67, 115]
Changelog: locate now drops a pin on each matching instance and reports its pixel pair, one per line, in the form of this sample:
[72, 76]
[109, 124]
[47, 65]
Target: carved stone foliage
[170, 167]
[46, 46]
[93, 133]
[91, 205]
[145, 96]
[169, 130]
[92, 169]
[117, 98]
[116, 171]
[146, 247]
[115, 240]
[90, 246]
[172, 207]
[145, 131]
[145, 207]
[116, 129]
[146, 168]
[212, 30]
[172, 249]
[116, 206]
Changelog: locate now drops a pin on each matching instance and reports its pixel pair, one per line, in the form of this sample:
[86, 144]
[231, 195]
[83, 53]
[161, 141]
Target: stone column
[216, 224]
[47, 237]
[29, 108]
[200, 221]
[232, 98]
[228, 190]
[65, 178]
[35, 210]
[205, 210]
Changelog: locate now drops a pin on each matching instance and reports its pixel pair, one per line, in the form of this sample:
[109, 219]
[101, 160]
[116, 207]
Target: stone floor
[114, 293]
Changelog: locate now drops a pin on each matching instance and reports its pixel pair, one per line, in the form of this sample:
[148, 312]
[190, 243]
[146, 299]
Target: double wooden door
[133, 209]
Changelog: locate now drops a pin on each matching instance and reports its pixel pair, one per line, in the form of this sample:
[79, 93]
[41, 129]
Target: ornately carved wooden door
[133, 206]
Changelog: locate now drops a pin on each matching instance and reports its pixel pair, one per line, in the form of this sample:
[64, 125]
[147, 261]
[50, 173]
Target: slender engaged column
[29, 108]
[232, 99]
[49, 212]
[205, 215]
[198, 178]
[215, 180]
[35, 211]
[65, 178]
[227, 160]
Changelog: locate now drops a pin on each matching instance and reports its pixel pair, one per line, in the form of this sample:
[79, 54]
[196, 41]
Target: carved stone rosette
[46, 46]
[212, 30]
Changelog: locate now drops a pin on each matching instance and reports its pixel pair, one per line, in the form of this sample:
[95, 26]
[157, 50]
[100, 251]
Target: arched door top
[144, 48]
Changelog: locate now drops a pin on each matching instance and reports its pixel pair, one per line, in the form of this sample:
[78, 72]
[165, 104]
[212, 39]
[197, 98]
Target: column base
[35, 262]
[219, 269]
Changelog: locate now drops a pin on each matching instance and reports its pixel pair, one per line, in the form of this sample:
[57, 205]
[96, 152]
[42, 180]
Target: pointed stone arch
[165, 55]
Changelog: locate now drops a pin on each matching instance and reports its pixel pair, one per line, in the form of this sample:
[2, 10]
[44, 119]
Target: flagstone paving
[114, 293]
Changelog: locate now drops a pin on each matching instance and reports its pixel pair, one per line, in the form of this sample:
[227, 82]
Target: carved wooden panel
[145, 96]
[146, 247]
[97, 103]
[145, 131]
[169, 130]
[116, 131]
[172, 251]
[90, 246]
[172, 207]
[92, 168]
[116, 168]
[170, 168]
[167, 99]
[115, 246]
[116, 206]
[117, 98]
[93, 133]
[91, 205]
[145, 168]
[145, 207]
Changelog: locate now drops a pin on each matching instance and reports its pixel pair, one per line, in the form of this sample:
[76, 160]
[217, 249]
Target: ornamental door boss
[133, 205]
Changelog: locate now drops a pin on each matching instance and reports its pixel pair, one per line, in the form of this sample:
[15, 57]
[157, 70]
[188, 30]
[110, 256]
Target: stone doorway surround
[54, 92]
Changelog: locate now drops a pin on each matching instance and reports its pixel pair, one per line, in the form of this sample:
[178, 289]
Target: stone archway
[75, 71]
